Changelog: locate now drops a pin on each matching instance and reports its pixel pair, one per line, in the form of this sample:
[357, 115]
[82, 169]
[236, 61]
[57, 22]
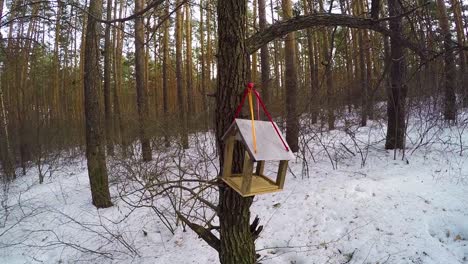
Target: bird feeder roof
[269, 144]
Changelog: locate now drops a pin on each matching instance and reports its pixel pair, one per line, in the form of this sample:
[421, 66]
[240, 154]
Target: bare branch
[202, 232]
[282, 28]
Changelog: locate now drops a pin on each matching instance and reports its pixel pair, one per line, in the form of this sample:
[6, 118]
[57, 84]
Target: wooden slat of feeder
[269, 145]
[259, 185]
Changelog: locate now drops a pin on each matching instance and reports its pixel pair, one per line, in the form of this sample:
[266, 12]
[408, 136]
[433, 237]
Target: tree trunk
[55, 94]
[204, 84]
[369, 67]
[264, 56]
[397, 91]
[450, 107]
[363, 80]
[188, 61]
[253, 71]
[179, 80]
[314, 95]
[107, 83]
[237, 243]
[292, 122]
[209, 49]
[165, 75]
[461, 39]
[327, 50]
[118, 80]
[6, 154]
[95, 153]
[142, 97]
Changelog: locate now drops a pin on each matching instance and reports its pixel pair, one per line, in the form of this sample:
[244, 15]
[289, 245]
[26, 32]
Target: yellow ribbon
[253, 123]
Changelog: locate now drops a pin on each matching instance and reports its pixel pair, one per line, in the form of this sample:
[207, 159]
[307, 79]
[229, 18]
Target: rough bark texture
[165, 74]
[107, 83]
[6, 155]
[95, 153]
[461, 39]
[328, 63]
[314, 98]
[188, 63]
[142, 94]
[118, 81]
[264, 56]
[450, 107]
[364, 81]
[292, 121]
[237, 242]
[397, 91]
[179, 81]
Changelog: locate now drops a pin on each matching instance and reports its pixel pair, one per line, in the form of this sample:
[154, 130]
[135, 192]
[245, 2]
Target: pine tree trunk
[142, 94]
[179, 80]
[6, 154]
[363, 80]
[237, 243]
[95, 153]
[327, 50]
[188, 62]
[165, 75]
[107, 82]
[209, 49]
[264, 56]
[292, 122]
[397, 91]
[461, 39]
[450, 107]
[314, 96]
[369, 67]
[56, 59]
[118, 80]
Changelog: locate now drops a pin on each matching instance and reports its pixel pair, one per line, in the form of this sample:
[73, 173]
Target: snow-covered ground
[353, 204]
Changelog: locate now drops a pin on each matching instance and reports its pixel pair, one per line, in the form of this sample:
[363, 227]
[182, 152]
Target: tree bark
[142, 94]
[450, 107]
[236, 241]
[107, 82]
[363, 80]
[165, 75]
[461, 39]
[118, 81]
[292, 121]
[95, 153]
[188, 62]
[328, 52]
[6, 154]
[314, 93]
[397, 91]
[179, 80]
[264, 56]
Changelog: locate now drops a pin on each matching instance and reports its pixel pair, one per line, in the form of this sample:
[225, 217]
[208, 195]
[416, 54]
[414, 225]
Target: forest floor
[353, 204]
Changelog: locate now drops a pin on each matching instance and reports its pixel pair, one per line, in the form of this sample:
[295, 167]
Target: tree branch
[282, 28]
[202, 232]
[153, 4]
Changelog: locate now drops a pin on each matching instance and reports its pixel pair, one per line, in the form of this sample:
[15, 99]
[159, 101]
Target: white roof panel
[269, 145]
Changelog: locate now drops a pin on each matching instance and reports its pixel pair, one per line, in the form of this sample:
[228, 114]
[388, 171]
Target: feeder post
[247, 174]
[260, 167]
[281, 177]
[228, 153]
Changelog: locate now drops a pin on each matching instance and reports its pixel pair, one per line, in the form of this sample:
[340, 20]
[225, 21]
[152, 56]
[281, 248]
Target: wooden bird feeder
[269, 147]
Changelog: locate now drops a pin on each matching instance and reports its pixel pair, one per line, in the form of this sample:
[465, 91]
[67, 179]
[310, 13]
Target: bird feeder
[269, 146]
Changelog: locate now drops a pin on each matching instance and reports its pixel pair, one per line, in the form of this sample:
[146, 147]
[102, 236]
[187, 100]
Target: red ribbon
[250, 86]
